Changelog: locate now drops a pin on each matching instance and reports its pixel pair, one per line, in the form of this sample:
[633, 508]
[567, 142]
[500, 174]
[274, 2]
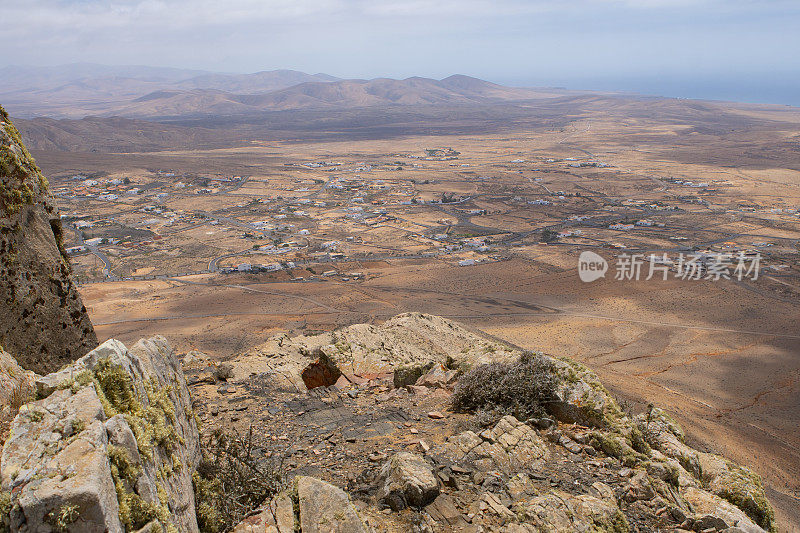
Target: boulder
[580, 397]
[407, 480]
[408, 375]
[310, 505]
[321, 373]
[113, 443]
[324, 508]
[276, 517]
[438, 377]
[738, 485]
[56, 467]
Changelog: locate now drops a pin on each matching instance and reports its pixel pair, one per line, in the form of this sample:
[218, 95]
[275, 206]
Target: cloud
[391, 37]
[89, 15]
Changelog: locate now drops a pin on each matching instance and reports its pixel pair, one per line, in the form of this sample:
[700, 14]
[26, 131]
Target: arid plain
[219, 249]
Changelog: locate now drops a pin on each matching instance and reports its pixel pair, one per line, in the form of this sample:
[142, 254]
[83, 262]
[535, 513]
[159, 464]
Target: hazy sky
[705, 47]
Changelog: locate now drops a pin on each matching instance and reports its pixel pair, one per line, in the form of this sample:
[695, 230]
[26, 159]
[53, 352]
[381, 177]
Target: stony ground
[344, 434]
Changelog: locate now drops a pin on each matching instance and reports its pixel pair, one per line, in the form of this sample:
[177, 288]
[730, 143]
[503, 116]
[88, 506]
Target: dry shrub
[521, 388]
[20, 394]
[230, 482]
[223, 372]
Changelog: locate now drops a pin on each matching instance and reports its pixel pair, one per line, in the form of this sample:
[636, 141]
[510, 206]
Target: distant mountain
[340, 94]
[259, 82]
[79, 90]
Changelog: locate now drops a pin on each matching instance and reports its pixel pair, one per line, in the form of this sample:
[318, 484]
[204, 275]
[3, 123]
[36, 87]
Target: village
[316, 220]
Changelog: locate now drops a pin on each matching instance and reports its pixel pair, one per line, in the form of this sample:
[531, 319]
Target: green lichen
[615, 523]
[744, 489]
[22, 178]
[134, 512]
[295, 497]
[207, 491]
[405, 375]
[638, 441]
[616, 445]
[152, 426]
[61, 518]
[78, 425]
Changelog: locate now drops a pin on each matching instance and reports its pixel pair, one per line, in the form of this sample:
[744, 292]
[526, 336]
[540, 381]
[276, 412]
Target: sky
[743, 50]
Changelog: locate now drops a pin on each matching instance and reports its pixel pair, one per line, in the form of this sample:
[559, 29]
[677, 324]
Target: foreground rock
[407, 480]
[311, 506]
[713, 511]
[45, 324]
[733, 483]
[111, 446]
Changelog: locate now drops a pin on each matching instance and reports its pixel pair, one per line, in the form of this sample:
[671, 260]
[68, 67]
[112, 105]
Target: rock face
[44, 324]
[111, 446]
[311, 506]
[406, 479]
[321, 373]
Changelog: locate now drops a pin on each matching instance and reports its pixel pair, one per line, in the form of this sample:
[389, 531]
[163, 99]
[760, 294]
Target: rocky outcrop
[738, 485]
[581, 464]
[507, 447]
[111, 446]
[311, 506]
[559, 512]
[713, 512]
[409, 342]
[407, 480]
[722, 478]
[45, 324]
